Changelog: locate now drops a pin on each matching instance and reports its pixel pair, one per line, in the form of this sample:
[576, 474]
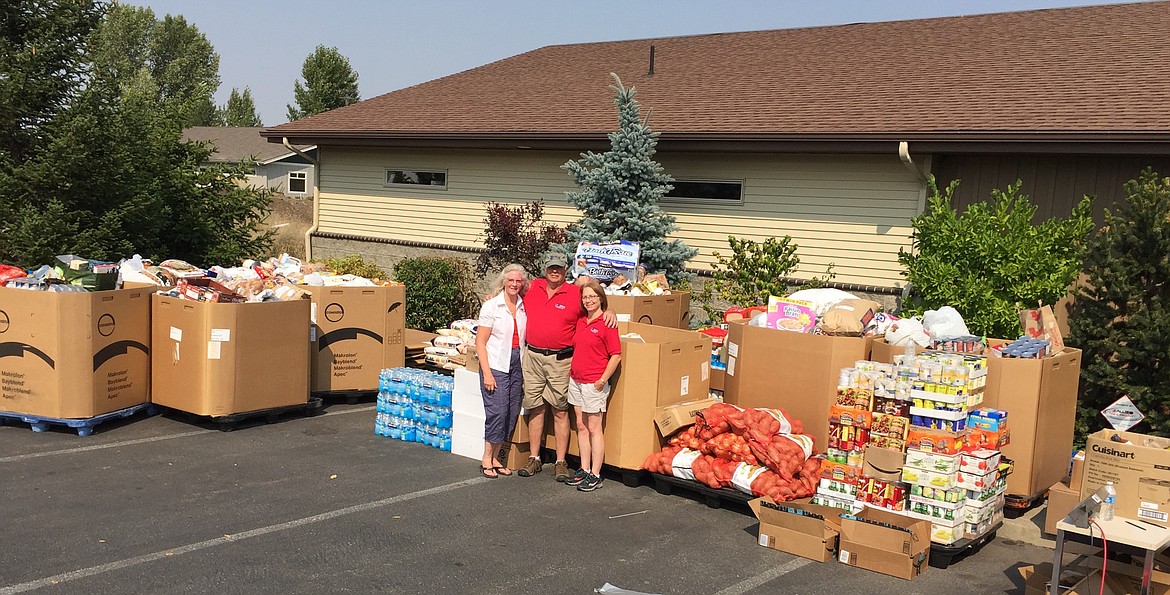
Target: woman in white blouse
[499, 341]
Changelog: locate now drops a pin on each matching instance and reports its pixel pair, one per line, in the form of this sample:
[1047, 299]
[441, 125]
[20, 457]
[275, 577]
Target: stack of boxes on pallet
[906, 438]
[415, 406]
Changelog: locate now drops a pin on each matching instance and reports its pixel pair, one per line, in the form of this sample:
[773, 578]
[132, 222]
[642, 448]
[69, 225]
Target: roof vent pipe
[651, 72]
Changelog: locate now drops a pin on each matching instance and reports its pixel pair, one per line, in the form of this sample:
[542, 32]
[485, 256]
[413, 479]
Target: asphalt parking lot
[312, 505]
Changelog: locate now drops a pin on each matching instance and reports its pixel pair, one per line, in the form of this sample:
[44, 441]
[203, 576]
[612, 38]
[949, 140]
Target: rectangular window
[711, 191]
[298, 182]
[415, 178]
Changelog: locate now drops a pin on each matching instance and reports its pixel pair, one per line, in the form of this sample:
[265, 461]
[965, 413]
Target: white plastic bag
[821, 298]
[944, 323]
[906, 331]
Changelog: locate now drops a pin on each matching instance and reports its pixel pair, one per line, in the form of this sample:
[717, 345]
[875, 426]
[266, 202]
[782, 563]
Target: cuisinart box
[1139, 467]
[74, 355]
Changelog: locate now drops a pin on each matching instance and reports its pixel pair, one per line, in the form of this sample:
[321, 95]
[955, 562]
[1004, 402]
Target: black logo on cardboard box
[4, 322]
[334, 312]
[1113, 452]
[105, 325]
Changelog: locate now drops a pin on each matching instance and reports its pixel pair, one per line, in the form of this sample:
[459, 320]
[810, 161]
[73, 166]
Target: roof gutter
[316, 198]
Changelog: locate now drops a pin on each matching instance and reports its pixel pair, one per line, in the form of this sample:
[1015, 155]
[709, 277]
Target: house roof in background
[1099, 73]
[234, 144]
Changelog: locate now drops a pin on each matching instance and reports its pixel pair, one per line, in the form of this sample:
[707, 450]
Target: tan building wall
[851, 210]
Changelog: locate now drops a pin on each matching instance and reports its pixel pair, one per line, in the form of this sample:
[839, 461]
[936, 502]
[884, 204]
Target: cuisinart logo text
[1113, 452]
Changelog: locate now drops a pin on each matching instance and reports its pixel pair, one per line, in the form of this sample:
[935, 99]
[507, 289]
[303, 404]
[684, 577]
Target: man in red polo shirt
[553, 307]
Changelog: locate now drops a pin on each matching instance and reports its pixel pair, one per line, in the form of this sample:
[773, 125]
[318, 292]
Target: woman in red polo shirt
[597, 350]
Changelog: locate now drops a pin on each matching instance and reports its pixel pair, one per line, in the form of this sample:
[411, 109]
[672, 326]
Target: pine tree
[620, 190]
[330, 83]
[241, 109]
[1121, 317]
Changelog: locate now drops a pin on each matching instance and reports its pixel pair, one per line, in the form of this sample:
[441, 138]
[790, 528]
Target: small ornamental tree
[991, 260]
[619, 193]
[1121, 315]
[754, 271]
[517, 235]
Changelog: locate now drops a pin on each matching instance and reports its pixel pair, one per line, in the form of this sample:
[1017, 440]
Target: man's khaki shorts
[546, 380]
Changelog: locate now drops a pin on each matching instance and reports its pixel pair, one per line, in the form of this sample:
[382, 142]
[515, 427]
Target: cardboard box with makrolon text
[672, 309]
[885, 542]
[797, 372]
[1040, 396]
[357, 332]
[220, 359]
[666, 366]
[1139, 467]
[672, 418]
[74, 355]
[798, 528]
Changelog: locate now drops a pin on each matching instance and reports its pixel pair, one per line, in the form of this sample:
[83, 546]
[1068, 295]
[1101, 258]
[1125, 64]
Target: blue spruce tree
[620, 190]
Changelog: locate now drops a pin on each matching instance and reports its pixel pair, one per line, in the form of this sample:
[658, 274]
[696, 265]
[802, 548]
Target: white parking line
[748, 584]
[191, 547]
[37, 455]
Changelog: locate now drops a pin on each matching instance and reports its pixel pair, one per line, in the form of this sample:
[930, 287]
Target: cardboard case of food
[797, 534]
[885, 542]
[220, 359]
[357, 332]
[793, 371]
[74, 355]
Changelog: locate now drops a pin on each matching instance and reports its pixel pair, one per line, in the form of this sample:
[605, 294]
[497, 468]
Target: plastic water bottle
[1110, 501]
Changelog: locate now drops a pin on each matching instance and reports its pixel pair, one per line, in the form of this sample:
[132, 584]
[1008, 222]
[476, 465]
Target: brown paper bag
[1040, 323]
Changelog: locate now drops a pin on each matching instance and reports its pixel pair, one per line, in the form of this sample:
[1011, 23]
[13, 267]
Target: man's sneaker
[561, 471]
[592, 482]
[532, 467]
[577, 477]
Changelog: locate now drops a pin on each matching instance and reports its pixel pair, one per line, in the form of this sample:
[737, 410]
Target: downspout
[316, 198]
[904, 155]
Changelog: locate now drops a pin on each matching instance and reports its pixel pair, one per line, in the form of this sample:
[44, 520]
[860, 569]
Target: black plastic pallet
[84, 426]
[1014, 505]
[942, 556]
[351, 397]
[666, 484]
[227, 423]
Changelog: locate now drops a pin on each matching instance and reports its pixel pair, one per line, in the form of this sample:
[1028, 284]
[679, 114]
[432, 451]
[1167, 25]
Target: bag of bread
[849, 317]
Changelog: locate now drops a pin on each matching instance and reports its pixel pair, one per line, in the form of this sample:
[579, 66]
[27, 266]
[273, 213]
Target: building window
[433, 179]
[708, 191]
[298, 182]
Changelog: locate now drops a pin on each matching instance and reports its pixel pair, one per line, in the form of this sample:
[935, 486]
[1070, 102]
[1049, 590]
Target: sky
[393, 44]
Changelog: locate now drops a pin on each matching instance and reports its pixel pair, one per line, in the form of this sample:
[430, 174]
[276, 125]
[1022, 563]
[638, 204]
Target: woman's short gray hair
[498, 285]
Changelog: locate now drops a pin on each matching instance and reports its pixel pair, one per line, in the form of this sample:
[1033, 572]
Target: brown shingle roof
[1100, 69]
[235, 144]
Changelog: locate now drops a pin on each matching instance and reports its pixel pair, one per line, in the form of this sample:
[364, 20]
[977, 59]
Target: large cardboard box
[1139, 467]
[797, 372]
[1040, 396]
[800, 535]
[219, 359]
[885, 542]
[670, 366]
[672, 310]
[74, 355]
[1061, 500]
[357, 332]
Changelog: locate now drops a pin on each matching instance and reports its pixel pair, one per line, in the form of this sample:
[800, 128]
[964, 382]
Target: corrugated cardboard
[883, 463]
[1061, 500]
[1140, 471]
[219, 359]
[718, 379]
[903, 551]
[74, 355]
[672, 418]
[357, 332]
[799, 535]
[881, 351]
[797, 372]
[672, 310]
[671, 366]
[1081, 580]
[1077, 470]
[1040, 396]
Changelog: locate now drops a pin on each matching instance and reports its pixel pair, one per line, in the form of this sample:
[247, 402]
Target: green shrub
[991, 260]
[755, 271]
[438, 291]
[1121, 316]
[354, 264]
